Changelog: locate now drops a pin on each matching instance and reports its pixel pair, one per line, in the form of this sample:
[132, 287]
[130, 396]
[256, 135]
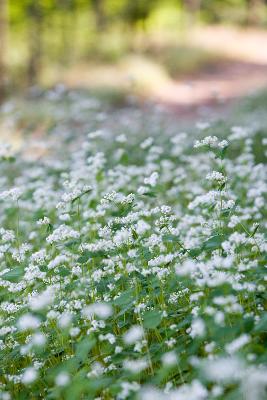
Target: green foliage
[44, 34]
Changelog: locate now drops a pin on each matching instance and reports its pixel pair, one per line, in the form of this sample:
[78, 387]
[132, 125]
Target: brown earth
[211, 90]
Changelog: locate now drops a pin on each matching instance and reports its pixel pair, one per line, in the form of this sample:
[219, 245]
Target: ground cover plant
[133, 259]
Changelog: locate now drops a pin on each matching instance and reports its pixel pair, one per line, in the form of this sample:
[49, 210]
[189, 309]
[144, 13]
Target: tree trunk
[192, 8]
[100, 18]
[254, 10]
[35, 41]
[3, 47]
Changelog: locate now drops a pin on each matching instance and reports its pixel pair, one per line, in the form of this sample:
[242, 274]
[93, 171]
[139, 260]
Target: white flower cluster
[217, 177]
[123, 273]
[61, 233]
[211, 141]
[13, 194]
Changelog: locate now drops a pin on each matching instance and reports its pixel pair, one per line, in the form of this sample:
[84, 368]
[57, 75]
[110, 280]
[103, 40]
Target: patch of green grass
[182, 59]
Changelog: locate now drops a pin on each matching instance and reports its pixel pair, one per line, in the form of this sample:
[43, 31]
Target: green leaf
[152, 319]
[195, 252]
[83, 348]
[135, 236]
[222, 186]
[170, 238]
[71, 243]
[214, 242]
[150, 194]
[98, 384]
[64, 271]
[49, 228]
[125, 298]
[145, 253]
[92, 254]
[255, 230]
[221, 154]
[14, 275]
[80, 195]
[261, 326]
[83, 259]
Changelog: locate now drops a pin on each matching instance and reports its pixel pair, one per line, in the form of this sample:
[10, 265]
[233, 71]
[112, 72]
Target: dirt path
[203, 93]
[213, 90]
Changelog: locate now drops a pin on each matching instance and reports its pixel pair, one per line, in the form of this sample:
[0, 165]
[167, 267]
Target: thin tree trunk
[254, 11]
[3, 47]
[100, 20]
[35, 42]
[192, 7]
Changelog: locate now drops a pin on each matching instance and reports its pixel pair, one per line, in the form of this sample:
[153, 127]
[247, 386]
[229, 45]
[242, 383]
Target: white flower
[226, 369]
[254, 383]
[152, 179]
[135, 366]
[74, 331]
[42, 300]
[97, 370]
[186, 268]
[142, 227]
[60, 259]
[134, 334]
[63, 232]
[5, 396]
[223, 144]
[165, 209]
[202, 125]
[121, 138]
[95, 134]
[43, 221]
[118, 349]
[29, 376]
[122, 236]
[127, 388]
[109, 337]
[193, 391]
[62, 379]
[211, 141]
[170, 342]
[39, 257]
[169, 358]
[216, 176]
[147, 143]
[64, 320]
[28, 321]
[236, 344]
[142, 190]
[197, 328]
[14, 194]
[38, 339]
[5, 149]
[7, 235]
[102, 310]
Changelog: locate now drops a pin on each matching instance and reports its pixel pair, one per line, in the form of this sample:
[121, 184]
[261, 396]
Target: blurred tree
[192, 5]
[255, 8]
[135, 12]
[192, 8]
[53, 32]
[34, 13]
[3, 46]
[67, 21]
[98, 7]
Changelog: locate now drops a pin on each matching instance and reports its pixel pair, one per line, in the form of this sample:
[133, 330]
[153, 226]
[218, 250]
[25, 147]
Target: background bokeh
[124, 45]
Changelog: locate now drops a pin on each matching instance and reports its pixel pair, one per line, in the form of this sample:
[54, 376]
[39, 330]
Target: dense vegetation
[132, 255]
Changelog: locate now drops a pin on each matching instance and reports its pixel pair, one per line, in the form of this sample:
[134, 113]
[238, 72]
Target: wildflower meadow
[132, 257]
